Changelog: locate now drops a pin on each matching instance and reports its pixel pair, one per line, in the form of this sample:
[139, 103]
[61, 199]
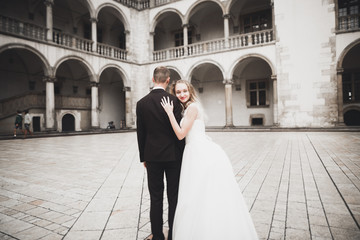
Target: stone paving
[298, 185]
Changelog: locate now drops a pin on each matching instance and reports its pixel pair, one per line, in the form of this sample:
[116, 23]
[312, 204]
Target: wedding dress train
[210, 204]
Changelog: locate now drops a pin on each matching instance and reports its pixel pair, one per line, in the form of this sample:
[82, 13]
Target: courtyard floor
[297, 185]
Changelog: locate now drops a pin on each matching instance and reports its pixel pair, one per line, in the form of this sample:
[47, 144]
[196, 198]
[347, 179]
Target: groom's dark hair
[161, 74]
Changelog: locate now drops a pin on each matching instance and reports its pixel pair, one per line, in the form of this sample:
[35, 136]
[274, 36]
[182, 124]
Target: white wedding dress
[210, 204]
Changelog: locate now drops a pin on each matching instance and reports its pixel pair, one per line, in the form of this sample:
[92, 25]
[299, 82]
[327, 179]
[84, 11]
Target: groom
[160, 150]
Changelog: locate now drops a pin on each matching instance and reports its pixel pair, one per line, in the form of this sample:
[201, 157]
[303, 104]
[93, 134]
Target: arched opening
[168, 31]
[72, 89]
[68, 123]
[206, 22]
[207, 79]
[248, 16]
[21, 83]
[112, 98]
[110, 29]
[351, 84]
[71, 17]
[174, 76]
[252, 93]
[352, 118]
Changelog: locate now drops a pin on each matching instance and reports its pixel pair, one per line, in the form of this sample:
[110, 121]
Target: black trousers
[156, 172]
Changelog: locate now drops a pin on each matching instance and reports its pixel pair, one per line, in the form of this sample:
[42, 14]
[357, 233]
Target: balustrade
[162, 2]
[9, 106]
[169, 53]
[139, 5]
[73, 102]
[238, 41]
[72, 41]
[206, 47]
[249, 39]
[11, 25]
[110, 51]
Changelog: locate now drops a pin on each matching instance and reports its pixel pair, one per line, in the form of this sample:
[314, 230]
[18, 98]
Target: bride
[210, 204]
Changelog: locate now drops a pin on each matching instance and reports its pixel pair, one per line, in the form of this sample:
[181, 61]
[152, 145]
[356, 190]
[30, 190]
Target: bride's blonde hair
[193, 98]
[193, 95]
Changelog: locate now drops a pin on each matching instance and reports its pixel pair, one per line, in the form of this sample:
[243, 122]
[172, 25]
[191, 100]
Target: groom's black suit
[162, 152]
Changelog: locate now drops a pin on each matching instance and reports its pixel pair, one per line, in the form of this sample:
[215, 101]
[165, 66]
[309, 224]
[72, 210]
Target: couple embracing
[205, 202]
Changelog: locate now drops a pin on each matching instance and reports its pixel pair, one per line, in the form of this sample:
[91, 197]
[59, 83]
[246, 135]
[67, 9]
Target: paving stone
[32, 233]
[298, 185]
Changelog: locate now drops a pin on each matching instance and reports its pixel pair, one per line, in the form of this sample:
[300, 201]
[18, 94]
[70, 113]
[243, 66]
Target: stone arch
[197, 3]
[207, 77]
[355, 117]
[113, 97]
[197, 64]
[234, 65]
[68, 122]
[175, 69]
[46, 66]
[76, 116]
[120, 16]
[345, 52]
[91, 8]
[158, 16]
[82, 61]
[123, 74]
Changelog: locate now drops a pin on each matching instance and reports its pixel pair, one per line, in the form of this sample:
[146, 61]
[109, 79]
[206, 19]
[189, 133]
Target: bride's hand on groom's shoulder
[167, 105]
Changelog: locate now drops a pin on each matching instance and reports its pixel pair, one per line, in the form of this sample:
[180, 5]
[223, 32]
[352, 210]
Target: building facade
[78, 64]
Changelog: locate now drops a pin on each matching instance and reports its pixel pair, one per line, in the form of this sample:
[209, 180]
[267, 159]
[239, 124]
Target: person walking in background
[159, 150]
[18, 123]
[27, 123]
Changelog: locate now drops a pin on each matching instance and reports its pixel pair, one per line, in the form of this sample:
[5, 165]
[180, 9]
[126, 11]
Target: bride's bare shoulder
[192, 107]
[191, 110]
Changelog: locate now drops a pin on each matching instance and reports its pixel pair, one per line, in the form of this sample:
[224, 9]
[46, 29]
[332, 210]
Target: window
[179, 38]
[257, 93]
[351, 87]
[87, 31]
[349, 14]
[256, 21]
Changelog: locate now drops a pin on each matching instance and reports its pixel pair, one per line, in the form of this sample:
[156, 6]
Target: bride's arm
[189, 118]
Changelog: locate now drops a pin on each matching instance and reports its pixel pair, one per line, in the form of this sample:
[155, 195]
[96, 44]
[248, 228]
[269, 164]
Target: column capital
[227, 16]
[339, 70]
[273, 77]
[186, 25]
[49, 79]
[152, 33]
[94, 84]
[127, 32]
[228, 81]
[127, 89]
[93, 19]
[49, 2]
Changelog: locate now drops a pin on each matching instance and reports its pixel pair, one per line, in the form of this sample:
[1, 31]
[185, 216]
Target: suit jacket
[156, 138]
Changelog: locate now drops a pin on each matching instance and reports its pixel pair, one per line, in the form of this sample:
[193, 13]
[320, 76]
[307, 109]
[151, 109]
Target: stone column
[128, 120]
[185, 33]
[95, 105]
[151, 45]
[49, 19]
[50, 103]
[94, 33]
[228, 103]
[275, 100]
[273, 19]
[340, 72]
[226, 29]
